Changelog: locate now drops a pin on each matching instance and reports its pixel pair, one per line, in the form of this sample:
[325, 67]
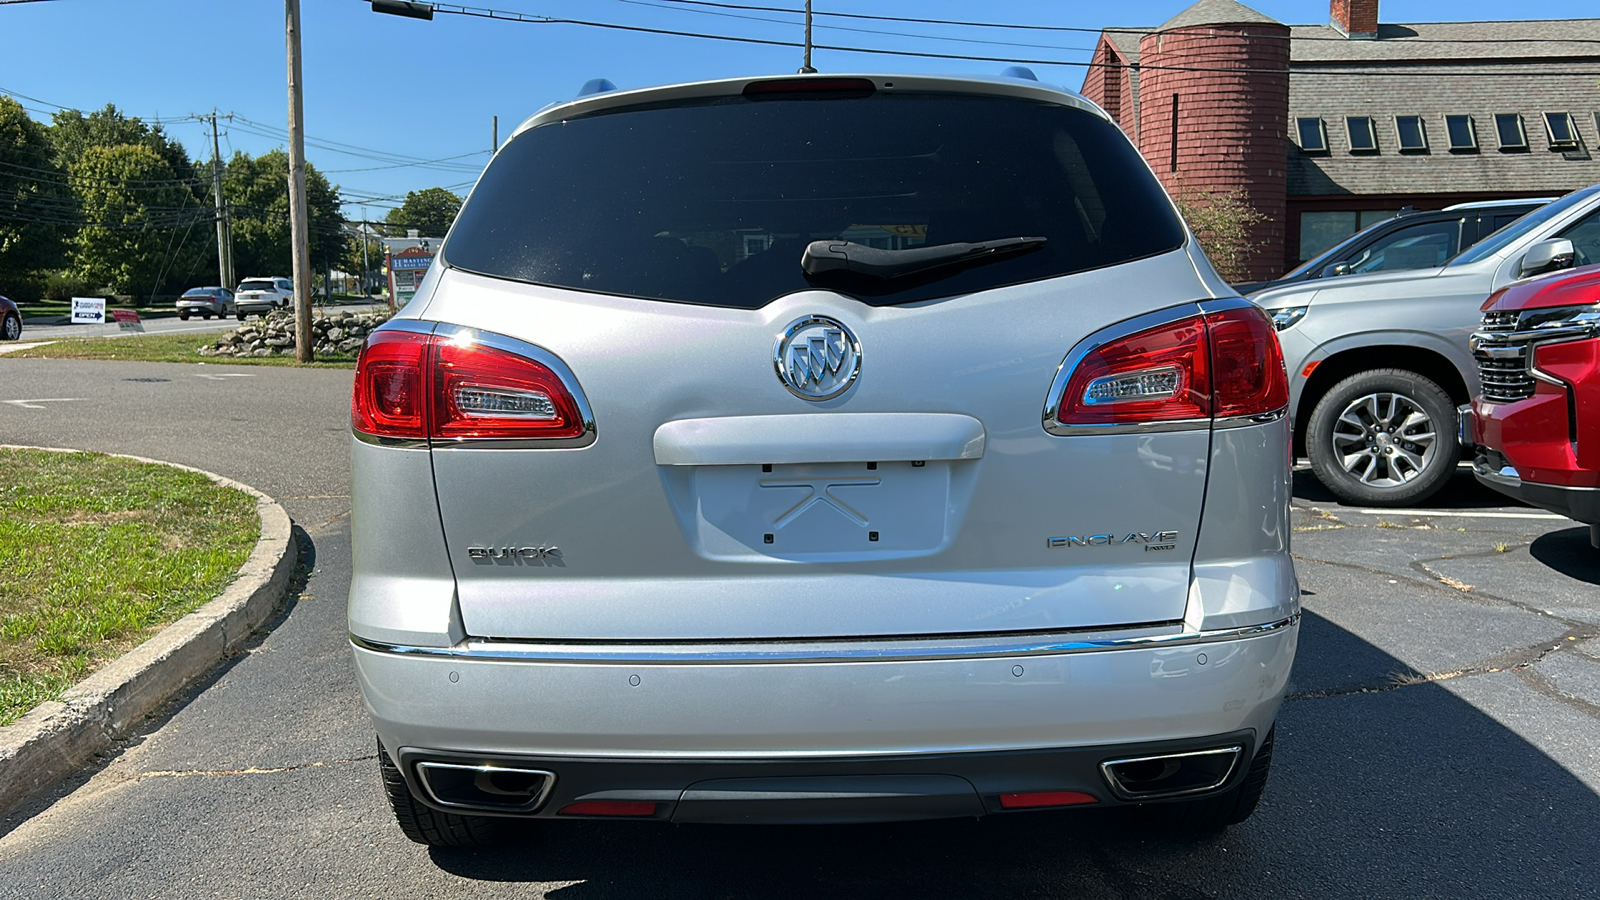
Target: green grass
[163, 348]
[100, 553]
[54, 308]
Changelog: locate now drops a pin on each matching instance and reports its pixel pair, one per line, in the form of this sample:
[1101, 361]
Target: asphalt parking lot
[1441, 737]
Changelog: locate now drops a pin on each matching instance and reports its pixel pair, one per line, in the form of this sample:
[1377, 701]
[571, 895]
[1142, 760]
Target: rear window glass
[255, 285]
[714, 202]
[199, 292]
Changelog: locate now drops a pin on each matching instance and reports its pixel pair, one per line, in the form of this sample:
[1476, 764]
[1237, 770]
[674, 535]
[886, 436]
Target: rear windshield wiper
[839, 257]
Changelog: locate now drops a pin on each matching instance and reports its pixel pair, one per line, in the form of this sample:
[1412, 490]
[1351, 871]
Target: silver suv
[818, 449]
[1379, 363]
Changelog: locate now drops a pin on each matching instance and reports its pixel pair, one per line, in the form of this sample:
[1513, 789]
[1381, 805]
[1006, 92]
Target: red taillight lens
[1154, 375]
[609, 808]
[1247, 374]
[484, 392]
[1038, 799]
[390, 396]
[420, 386]
[1220, 364]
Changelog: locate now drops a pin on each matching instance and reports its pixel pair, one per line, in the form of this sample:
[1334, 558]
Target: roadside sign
[127, 320]
[88, 310]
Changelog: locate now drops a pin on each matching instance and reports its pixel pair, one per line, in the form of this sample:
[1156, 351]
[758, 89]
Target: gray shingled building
[1385, 116]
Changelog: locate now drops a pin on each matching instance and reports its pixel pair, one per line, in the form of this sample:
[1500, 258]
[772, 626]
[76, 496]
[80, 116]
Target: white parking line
[31, 404]
[218, 376]
[1457, 514]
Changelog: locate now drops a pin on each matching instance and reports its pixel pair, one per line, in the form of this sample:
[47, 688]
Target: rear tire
[241, 317]
[426, 825]
[1216, 813]
[184, 316]
[11, 327]
[1384, 437]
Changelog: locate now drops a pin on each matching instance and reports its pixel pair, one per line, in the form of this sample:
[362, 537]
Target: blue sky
[381, 91]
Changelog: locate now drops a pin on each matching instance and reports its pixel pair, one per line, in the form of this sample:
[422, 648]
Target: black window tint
[1509, 128]
[1313, 136]
[1585, 238]
[713, 202]
[255, 286]
[1420, 246]
[1412, 133]
[1463, 133]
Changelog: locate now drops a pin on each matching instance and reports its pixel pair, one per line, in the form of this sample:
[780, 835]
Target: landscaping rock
[336, 334]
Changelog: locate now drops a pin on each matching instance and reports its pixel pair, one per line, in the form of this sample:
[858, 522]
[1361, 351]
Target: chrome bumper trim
[901, 650]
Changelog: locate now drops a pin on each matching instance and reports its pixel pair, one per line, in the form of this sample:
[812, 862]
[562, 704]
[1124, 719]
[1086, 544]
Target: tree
[138, 219]
[36, 209]
[1221, 221]
[430, 211]
[73, 133]
[258, 190]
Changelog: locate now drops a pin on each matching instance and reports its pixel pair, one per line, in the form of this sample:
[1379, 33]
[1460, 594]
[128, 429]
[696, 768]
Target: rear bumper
[1039, 721]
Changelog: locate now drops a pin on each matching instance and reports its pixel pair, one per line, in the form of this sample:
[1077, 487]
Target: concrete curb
[59, 736]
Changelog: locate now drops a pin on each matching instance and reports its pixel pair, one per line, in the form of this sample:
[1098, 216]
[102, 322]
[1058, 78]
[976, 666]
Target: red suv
[1536, 420]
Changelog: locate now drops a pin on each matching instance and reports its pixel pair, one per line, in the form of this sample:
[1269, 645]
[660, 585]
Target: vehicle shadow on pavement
[1462, 492]
[1384, 784]
[1569, 552]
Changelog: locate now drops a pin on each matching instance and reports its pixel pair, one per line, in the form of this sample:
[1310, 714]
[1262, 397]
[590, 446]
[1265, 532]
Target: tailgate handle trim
[818, 438]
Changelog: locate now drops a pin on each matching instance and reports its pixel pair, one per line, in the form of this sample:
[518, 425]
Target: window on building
[1563, 132]
[1513, 137]
[1363, 137]
[1413, 134]
[1463, 133]
[1313, 135]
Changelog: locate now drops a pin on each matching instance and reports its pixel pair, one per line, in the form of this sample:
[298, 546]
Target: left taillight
[455, 387]
[389, 399]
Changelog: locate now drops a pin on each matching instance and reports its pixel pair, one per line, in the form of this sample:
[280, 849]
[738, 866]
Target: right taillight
[1221, 364]
[457, 387]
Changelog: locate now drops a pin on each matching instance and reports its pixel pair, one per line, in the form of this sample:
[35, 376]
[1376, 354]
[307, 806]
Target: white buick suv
[814, 449]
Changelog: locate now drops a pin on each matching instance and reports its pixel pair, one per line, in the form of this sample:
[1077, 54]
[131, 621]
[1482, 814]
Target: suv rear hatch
[648, 247]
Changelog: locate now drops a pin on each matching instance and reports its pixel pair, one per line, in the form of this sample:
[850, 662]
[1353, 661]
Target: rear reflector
[1037, 799]
[418, 386]
[1223, 364]
[635, 808]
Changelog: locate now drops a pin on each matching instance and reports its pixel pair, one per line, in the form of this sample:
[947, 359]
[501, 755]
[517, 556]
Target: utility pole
[224, 233]
[805, 68]
[366, 284]
[298, 225]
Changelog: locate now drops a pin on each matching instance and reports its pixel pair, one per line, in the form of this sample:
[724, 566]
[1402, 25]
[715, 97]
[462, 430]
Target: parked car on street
[205, 302]
[1379, 363]
[1410, 240]
[775, 450]
[10, 320]
[262, 295]
[1536, 419]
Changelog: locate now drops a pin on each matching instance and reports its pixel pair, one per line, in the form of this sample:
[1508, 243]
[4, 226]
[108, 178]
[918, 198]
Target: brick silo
[1213, 108]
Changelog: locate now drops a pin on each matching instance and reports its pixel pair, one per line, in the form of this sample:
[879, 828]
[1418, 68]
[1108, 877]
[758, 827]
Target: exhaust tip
[1171, 774]
[485, 788]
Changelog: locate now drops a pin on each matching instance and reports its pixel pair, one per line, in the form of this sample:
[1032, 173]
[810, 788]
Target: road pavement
[1442, 737]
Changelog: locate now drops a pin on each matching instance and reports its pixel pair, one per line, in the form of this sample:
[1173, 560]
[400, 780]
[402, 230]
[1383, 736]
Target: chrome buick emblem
[817, 358]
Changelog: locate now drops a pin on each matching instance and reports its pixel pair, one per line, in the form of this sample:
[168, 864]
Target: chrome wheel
[13, 328]
[1384, 439]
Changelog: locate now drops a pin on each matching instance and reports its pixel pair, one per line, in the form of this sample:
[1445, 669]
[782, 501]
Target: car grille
[1505, 380]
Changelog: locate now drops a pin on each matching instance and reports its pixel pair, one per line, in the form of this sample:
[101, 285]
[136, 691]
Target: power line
[1124, 30]
[1328, 68]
